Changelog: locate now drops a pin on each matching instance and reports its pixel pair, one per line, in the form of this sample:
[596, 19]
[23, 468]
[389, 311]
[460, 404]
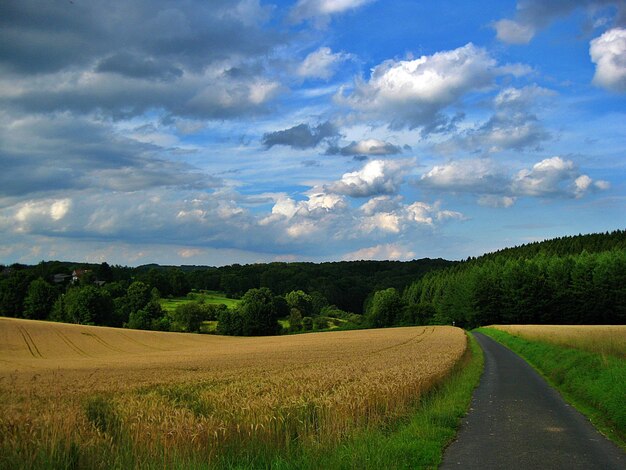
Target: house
[77, 274]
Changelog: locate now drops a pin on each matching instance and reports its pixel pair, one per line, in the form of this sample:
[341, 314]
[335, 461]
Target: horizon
[308, 130]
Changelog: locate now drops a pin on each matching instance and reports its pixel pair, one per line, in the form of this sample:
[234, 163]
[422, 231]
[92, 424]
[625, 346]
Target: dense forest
[569, 280]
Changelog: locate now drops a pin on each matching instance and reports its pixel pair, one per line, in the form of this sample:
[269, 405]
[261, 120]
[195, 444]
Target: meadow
[82, 396]
[208, 297]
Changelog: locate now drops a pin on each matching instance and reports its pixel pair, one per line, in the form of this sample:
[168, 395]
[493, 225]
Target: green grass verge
[593, 383]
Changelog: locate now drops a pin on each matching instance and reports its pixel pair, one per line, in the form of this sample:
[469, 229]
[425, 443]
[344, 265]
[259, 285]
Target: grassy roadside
[417, 442]
[593, 383]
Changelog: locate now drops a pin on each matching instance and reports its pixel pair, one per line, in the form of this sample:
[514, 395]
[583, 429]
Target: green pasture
[208, 296]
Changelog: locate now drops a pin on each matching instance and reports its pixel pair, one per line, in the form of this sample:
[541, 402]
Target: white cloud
[321, 63]
[554, 176]
[384, 221]
[36, 214]
[375, 178]
[190, 252]
[551, 177]
[512, 32]
[381, 204]
[321, 10]
[366, 147]
[480, 175]
[608, 52]
[512, 126]
[412, 93]
[389, 251]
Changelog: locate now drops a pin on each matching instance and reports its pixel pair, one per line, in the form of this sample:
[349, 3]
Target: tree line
[569, 280]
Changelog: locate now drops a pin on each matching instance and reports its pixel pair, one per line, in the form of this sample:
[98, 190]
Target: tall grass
[593, 382]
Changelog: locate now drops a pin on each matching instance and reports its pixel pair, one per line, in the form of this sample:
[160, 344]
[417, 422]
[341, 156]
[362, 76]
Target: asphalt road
[517, 421]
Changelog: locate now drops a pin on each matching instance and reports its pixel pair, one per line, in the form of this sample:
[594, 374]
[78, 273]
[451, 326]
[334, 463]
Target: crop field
[601, 339]
[114, 397]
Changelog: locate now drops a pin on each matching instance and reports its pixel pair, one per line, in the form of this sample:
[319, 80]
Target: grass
[97, 397]
[207, 296]
[593, 382]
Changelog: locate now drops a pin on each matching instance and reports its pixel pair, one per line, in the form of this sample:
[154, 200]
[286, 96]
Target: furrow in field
[32, 347]
[71, 345]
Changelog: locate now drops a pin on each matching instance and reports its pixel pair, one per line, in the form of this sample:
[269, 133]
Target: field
[124, 398]
[209, 297]
[600, 339]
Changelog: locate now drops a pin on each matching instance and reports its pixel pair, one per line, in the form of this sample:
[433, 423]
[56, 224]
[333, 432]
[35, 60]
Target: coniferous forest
[569, 280]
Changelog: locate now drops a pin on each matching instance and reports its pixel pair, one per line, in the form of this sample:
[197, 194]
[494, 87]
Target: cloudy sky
[218, 132]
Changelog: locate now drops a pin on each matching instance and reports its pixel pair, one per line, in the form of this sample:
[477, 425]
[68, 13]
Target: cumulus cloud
[608, 52]
[551, 177]
[513, 126]
[534, 15]
[321, 63]
[413, 93]
[375, 178]
[372, 147]
[322, 10]
[465, 176]
[391, 251]
[302, 136]
[554, 176]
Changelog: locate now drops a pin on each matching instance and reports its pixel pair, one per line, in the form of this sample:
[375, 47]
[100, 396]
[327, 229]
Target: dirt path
[517, 421]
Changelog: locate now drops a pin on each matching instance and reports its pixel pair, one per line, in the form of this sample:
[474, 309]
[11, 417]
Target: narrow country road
[517, 421]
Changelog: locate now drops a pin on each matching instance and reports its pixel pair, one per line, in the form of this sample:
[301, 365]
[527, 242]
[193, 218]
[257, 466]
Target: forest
[569, 280]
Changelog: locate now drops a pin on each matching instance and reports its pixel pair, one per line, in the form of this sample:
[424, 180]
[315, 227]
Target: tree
[301, 301]
[147, 318]
[230, 323]
[190, 315]
[138, 295]
[258, 312]
[385, 306]
[13, 291]
[88, 306]
[39, 300]
[295, 320]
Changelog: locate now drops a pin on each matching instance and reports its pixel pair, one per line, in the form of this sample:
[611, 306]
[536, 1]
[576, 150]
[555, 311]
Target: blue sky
[227, 132]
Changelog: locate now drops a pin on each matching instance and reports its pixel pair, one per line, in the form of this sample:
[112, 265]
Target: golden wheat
[602, 339]
[166, 393]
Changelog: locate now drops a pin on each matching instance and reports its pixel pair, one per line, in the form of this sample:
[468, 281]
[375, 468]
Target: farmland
[600, 339]
[107, 395]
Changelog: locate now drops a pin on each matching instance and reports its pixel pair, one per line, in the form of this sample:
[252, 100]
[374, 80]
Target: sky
[220, 132]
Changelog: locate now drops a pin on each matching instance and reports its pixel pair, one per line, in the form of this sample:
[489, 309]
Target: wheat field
[602, 339]
[101, 391]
